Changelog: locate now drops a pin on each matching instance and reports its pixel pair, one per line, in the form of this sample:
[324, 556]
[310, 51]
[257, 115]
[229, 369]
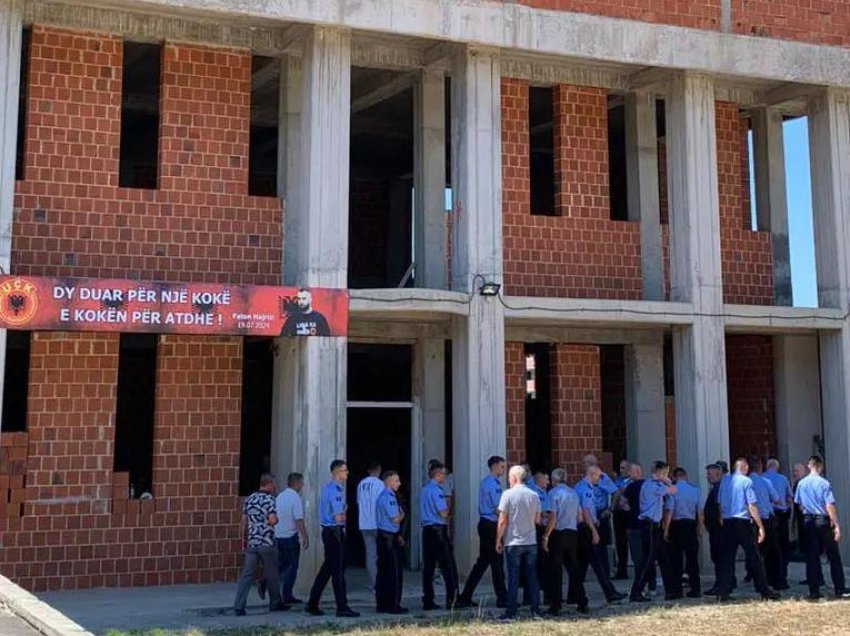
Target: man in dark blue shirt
[436, 543]
[682, 535]
[390, 547]
[332, 510]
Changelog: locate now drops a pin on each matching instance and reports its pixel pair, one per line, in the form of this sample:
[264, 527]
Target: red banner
[81, 304]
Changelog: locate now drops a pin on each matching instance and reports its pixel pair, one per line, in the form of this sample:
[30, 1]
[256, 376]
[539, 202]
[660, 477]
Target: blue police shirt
[584, 490]
[765, 495]
[331, 503]
[385, 509]
[622, 482]
[431, 503]
[544, 501]
[489, 493]
[736, 493]
[685, 503]
[781, 485]
[563, 503]
[602, 492]
[652, 495]
[813, 494]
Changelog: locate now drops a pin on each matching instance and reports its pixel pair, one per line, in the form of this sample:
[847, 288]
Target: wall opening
[135, 408]
[381, 184]
[265, 121]
[140, 90]
[538, 405]
[541, 146]
[661, 133]
[16, 381]
[617, 170]
[801, 235]
[23, 91]
[256, 429]
[612, 363]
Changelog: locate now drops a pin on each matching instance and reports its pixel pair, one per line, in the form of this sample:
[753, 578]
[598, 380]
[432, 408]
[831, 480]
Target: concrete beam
[381, 93]
[578, 335]
[478, 352]
[763, 319]
[557, 33]
[430, 252]
[642, 188]
[591, 311]
[426, 302]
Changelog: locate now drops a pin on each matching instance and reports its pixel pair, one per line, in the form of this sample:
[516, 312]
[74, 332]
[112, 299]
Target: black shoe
[239, 612]
[639, 599]
[347, 613]
[842, 594]
[583, 609]
[782, 587]
[430, 607]
[280, 607]
[673, 597]
[712, 591]
[616, 597]
[292, 601]
[398, 611]
[314, 611]
[261, 589]
[553, 613]
[695, 594]
[463, 603]
[507, 618]
[725, 598]
[815, 597]
[771, 595]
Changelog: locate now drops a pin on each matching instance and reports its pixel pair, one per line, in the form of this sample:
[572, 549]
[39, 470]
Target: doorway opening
[538, 406]
[255, 439]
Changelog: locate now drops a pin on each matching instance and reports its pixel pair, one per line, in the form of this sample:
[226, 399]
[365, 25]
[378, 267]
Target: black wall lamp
[489, 289]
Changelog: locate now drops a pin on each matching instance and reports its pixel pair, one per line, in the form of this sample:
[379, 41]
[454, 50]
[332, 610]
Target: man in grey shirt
[516, 536]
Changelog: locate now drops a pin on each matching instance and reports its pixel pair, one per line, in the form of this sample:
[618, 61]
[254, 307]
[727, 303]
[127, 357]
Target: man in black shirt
[632, 497]
[711, 516]
[303, 320]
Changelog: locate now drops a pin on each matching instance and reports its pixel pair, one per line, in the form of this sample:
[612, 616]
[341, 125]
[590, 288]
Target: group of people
[540, 527]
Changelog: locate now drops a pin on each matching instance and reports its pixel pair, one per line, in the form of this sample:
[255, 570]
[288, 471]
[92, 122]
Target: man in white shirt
[368, 492]
[290, 535]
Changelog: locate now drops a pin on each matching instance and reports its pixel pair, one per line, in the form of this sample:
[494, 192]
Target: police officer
[820, 516]
[390, 547]
[682, 536]
[712, 522]
[782, 512]
[539, 484]
[739, 510]
[652, 495]
[767, 498]
[620, 517]
[436, 543]
[602, 493]
[560, 541]
[489, 493]
[588, 538]
[332, 519]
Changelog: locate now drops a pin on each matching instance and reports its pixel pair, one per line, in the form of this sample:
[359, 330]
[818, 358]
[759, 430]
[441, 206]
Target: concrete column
[643, 197]
[309, 430]
[429, 184]
[796, 381]
[772, 197]
[429, 425]
[478, 353]
[645, 425]
[11, 28]
[829, 145]
[702, 420]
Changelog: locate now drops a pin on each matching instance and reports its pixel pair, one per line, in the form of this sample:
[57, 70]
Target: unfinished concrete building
[541, 208]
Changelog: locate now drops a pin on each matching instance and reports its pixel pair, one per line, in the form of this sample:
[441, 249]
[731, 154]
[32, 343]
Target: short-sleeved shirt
[290, 508]
[385, 509]
[431, 503]
[489, 493]
[813, 495]
[331, 503]
[368, 492]
[736, 493]
[652, 495]
[765, 495]
[448, 485]
[541, 495]
[685, 503]
[520, 505]
[602, 492]
[564, 504]
[584, 490]
[781, 485]
[632, 495]
[257, 509]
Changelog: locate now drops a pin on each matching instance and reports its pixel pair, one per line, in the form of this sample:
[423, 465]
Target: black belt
[808, 516]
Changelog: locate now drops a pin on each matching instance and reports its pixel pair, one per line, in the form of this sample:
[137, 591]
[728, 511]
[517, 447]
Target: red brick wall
[576, 406]
[749, 371]
[78, 528]
[200, 225]
[815, 21]
[704, 14]
[515, 401]
[579, 253]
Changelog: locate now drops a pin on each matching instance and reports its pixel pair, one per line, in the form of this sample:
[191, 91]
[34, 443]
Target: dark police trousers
[740, 532]
[588, 556]
[621, 538]
[333, 568]
[563, 555]
[783, 520]
[437, 548]
[820, 538]
[636, 550]
[487, 557]
[652, 550]
[388, 583]
[771, 554]
[683, 546]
